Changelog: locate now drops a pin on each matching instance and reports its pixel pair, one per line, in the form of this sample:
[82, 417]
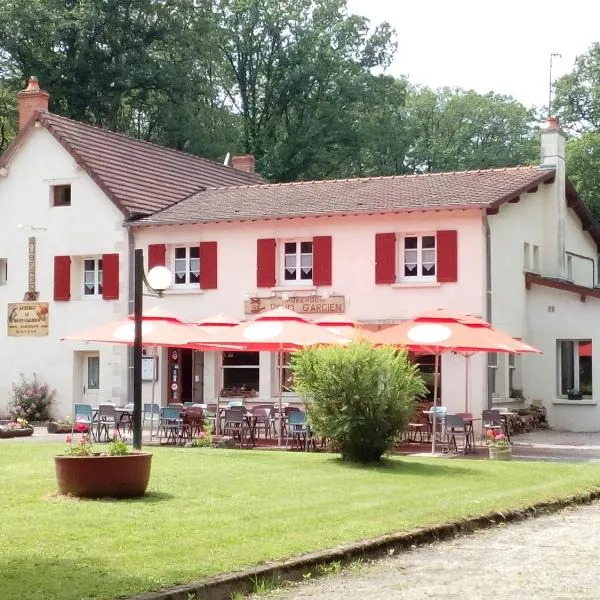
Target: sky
[476, 44]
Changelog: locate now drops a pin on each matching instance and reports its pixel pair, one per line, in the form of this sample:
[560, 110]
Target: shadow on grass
[36, 577]
[399, 467]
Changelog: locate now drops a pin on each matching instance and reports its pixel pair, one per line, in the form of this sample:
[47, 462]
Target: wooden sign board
[28, 319]
[300, 304]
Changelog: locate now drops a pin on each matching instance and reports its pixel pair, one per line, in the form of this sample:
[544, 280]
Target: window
[240, 373]
[536, 259]
[419, 257]
[187, 265]
[514, 376]
[298, 262]
[569, 267]
[92, 277]
[287, 375]
[61, 195]
[526, 259]
[3, 271]
[493, 373]
[574, 368]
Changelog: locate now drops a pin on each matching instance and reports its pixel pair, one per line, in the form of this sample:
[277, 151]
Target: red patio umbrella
[344, 326]
[279, 330]
[439, 331]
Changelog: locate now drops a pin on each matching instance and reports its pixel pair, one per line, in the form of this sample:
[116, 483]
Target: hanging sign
[28, 319]
[300, 304]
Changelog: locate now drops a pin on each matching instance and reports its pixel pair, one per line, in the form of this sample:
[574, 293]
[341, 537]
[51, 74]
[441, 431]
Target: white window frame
[576, 383]
[526, 256]
[224, 366]
[536, 258]
[3, 271]
[188, 270]
[514, 373]
[285, 370]
[297, 281]
[98, 277]
[401, 253]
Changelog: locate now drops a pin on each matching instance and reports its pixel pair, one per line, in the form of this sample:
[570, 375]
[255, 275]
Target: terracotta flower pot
[103, 476]
[11, 433]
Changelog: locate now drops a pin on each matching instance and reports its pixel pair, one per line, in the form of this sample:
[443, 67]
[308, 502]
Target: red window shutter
[265, 262]
[157, 255]
[62, 278]
[385, 258]
[447, 256]
[110, 276]
[322, 270]
[208, 265]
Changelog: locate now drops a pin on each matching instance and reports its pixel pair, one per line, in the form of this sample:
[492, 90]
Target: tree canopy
[301, 84]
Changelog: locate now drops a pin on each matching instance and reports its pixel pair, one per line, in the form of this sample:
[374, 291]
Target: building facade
[513, 246]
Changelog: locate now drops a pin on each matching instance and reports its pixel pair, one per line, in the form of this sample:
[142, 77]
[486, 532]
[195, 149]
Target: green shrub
[30, 399]
[118, 448]
[359, 396]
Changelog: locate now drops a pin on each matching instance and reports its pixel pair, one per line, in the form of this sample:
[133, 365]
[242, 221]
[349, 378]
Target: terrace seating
[236, 425]
[106, 419]
[457, 426]
[84, 414]
[299, 431]
[169, 424]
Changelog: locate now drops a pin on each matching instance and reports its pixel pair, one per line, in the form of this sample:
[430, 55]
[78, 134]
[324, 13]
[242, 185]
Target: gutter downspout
[130, 301]
[488, 299]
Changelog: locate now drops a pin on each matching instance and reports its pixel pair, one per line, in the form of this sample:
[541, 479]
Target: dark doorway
[187, 375]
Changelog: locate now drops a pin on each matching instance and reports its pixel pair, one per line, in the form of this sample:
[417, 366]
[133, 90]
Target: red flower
[69, 439]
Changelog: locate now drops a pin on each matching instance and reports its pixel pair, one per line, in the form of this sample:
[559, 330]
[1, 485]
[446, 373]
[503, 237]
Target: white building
[515, 246]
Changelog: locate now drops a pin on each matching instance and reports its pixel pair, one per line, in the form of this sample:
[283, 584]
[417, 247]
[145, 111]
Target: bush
[360, 396]
[31, 399]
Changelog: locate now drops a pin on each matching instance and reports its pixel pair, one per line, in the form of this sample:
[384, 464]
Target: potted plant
[498, 445]
[17, 428]
[574, 394]
[115, 473]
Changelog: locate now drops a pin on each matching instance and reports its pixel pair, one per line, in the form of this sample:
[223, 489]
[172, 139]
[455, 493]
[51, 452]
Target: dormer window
[61, 195]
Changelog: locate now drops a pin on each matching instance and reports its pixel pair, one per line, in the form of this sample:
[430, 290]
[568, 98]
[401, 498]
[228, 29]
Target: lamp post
[159, 279]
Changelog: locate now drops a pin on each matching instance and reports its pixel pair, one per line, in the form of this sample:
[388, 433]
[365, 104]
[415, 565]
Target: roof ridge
[373, 178]
[129, 138]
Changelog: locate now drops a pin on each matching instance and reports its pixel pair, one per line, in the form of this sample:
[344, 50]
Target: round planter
[54, 427]
[12, 433]
[500, 453]
[104, 476]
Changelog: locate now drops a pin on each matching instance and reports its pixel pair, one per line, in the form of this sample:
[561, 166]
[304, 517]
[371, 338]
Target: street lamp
[158, 280]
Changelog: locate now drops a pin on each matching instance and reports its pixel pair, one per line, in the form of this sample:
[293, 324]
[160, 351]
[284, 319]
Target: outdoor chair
[457, 427]
[105, 420]
[299, 431]
[236, 425]
[262, 419]
[84, 414]
[439, 413]
[169, 424]
[491, 420]
[418, 426]
[150, 415]
[194, 419]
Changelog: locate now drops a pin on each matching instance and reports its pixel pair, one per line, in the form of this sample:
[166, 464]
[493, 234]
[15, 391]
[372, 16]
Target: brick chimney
[30, 100]
[555, 205]
[244, 162]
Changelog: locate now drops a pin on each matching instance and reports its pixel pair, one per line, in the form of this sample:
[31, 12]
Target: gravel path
[548, 558]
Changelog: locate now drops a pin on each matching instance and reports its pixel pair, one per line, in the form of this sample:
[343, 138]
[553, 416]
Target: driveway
[548, 558]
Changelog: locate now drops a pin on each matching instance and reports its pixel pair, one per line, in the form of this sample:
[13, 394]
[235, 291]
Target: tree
[294, 72]
[454, 129]
[577, 97]
[583, 168]
[359, 396]
[8, 114]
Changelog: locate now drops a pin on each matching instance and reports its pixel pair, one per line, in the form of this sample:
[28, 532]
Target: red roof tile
[141, 178]
[467, 189]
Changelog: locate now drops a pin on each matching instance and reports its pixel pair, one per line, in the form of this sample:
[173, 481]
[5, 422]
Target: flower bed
[18, 428]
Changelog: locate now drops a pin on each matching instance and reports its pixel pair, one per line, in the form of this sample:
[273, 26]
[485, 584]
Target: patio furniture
[299, 431]
[262, 418]
[194, 419]
[457, 427]
[84, 414]
[438, 414]
[106, 419]
[418, 426]
[491, 421]
[237, 426]
[169, 424]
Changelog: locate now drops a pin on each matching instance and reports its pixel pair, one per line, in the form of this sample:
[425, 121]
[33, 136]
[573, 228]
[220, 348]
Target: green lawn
[213, 511]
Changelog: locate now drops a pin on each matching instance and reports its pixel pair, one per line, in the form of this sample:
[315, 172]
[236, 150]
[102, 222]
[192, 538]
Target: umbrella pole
[279, 364]
[467, 386]
[435, 393]
[154, 350]
[219, 366]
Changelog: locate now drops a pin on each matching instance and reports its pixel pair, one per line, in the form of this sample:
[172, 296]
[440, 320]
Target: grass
[213, 511]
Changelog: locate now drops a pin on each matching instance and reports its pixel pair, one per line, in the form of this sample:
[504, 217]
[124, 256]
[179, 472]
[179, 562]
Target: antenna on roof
[552, 55]
[226, 161]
